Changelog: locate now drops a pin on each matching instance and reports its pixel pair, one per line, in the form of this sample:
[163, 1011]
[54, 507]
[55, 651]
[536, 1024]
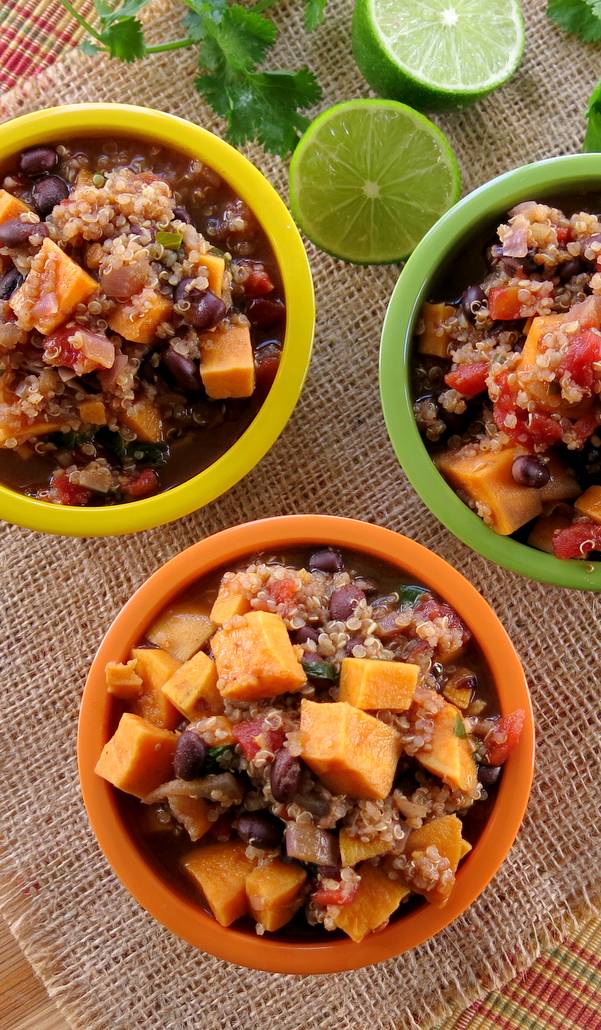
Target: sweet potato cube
[546, 395]
[255, 658]
[541, 534]
[217, 730]
[21, 433]
[227, 366]
[144, 418]
[139, 318]
[354, 850]
[193, 814]
[444, 834]
[193, 688]
[275, 892]
[589, 503]
[352, 752]
[220, 870]
[370, 684]
[227, 604]
[122, 680]
[450, 756]
[10, 207]
[93, 411]
[61, 286]
[376, 900]
[486, 478]
[432, 341]
[155, 667]
[138, 757]
[466, 847]
[562, 486]
[182, 629]
[214, 266]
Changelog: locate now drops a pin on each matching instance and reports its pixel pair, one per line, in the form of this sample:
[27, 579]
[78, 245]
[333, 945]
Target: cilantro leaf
[108, 14]
[580, 18]
[125, 39]
[459, 727]
[91, 49]
[314, 13]
[238, 40]
[592, 140]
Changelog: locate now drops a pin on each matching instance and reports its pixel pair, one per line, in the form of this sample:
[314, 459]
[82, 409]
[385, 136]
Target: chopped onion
[222, 787]
[515, 243]
[307, 843]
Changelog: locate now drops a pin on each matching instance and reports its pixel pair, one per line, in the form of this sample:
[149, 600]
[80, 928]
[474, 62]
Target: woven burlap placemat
[106, 962]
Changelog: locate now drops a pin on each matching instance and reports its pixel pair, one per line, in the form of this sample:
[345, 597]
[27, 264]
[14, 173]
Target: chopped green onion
[409, 594]
[459, 727]
[170, 240]
[219, 758]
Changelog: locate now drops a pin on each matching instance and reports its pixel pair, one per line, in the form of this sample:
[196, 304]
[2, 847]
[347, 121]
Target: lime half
[437, 53]
[369, 178]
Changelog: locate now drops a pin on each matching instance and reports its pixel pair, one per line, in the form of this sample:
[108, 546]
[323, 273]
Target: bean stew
[141, 320]
[244, 735]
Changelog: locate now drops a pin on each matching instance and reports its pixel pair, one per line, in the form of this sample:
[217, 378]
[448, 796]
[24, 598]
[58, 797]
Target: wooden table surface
[24, 1003]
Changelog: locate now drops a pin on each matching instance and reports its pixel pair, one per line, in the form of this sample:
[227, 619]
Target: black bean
[15, 233]
[206, 309]
[570, 269]
[528, 470]
[489, 774]
[190, 756]
[183, 370]
[37, 160]
[267, 362]
[329, 872]
[260, 830]
[529, 264]
[47, 193]
[437, 672]
[327, 560]
[285, 775]
[344, 601]
[10, 282]
[182, 215]
[472, 300]
[300, 636]
[264, 312]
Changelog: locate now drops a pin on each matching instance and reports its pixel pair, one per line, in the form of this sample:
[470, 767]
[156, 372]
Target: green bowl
[576, 174]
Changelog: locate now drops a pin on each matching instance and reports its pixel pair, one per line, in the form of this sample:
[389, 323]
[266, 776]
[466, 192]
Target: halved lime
[369, 178]
[437, 53]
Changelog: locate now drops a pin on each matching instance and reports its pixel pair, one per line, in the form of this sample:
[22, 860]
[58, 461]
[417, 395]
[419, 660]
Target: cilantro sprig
[233, 42]
[582, 18]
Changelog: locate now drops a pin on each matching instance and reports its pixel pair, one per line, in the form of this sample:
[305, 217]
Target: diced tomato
[583, 350]
[141, 484]
[510, 727]
[564, 234]
[503, 303]
[283, 590]
[469, 380]
[343, 894]
[577, 540]
[585, 427]
[431, 609]
[97, 352]
[246, 733]
[58, 351]
[531, 429]
[65, 492]
[257, 282]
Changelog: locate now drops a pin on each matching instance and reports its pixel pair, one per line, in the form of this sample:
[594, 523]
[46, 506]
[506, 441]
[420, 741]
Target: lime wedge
[369, 178]
[437, 53]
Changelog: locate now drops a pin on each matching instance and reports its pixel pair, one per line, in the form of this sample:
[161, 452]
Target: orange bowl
[182, 915]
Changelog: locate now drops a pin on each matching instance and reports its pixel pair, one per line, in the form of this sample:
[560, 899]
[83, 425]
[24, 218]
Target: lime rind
[369, 178]
[405, 50]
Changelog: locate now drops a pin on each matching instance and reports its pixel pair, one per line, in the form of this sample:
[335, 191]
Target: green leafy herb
[149, 454]
[219, 758]
[170, 240]
[592, 140]
[71, 441]
[409, 594]
[459, 727]
[233, 42]
[580, 18]
[319, 670]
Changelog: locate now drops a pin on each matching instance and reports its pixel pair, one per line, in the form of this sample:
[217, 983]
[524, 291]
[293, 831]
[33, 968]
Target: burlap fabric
[105, 961]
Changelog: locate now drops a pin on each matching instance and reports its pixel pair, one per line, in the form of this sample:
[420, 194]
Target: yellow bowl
[80, 120]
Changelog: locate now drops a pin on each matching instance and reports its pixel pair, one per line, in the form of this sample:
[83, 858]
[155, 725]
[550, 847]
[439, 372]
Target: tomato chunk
[469, 380]
[343, 894]
[505, 736]
[141, 484]
[257, 282]
[503, 303]
[283, 590]
[246, 734]
[577, 540]
[531, 430]
[63, 491]
[584, 349]
[431, 609]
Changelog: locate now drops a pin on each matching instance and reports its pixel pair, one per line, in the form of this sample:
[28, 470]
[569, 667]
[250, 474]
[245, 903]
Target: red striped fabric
[33, 33]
